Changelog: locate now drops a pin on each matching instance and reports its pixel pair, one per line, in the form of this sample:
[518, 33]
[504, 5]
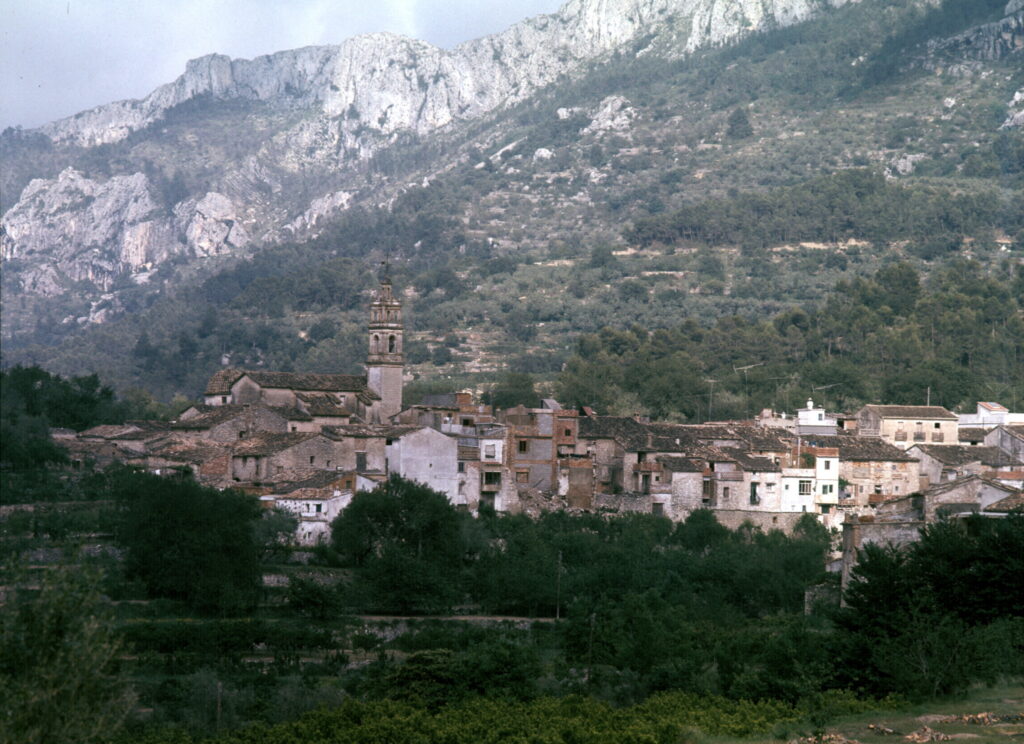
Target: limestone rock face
[613, 115]
[75, 229]
[211, 225]
[385, 83]
[1015, 114]
[337, 105]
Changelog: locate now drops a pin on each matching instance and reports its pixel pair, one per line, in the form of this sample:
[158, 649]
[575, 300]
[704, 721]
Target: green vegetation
[888, 338]
[60, 677]
[665, 629]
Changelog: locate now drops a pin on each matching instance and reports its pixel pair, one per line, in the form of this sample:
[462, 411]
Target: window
[754, 498]
[223, 399]
[568, 432]
[294, 427]
[328, 463]
[937, 425]
[462, 467]
[725, 493]
[805, 488]
[241, 434]
[522, 476]
[828, 464]
[769, 487]
[360, 461]
[392, 344]
[319, 508]
[657, 509]
[826, 508]
[467, 422]
[312, 459]
[878, 488]
[489, 452]
[524, 446]
[492, 479]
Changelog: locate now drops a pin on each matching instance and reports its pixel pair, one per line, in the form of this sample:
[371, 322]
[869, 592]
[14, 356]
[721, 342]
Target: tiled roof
[266, 443]
[990, 406]
[860, 449]
[1009, 504]
[188, 450]
[750, 463]
[323, 404]
[913, 412]
[320, 479]
[954, 454]
[357, 431]
[681, 464]
[626, 430]
[220, 383]
[972, 433]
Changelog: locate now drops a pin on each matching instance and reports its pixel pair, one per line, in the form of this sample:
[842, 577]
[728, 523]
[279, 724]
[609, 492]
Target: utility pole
[711, 395]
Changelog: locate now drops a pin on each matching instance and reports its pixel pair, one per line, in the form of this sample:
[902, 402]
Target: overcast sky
[59, 57]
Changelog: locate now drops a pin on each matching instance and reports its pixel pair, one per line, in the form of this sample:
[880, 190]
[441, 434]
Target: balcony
[919, 436]
[490, 487]
[900, 436]
[648, 466]
[937, 436]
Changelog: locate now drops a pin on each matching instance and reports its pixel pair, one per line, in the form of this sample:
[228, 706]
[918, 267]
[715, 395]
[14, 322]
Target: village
[307, 443]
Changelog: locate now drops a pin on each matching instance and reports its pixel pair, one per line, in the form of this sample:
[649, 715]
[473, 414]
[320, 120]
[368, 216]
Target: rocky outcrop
[384, 83]
[349, 100]
[211, 226]
[75, 229]
[1015, 112]
[986, 43]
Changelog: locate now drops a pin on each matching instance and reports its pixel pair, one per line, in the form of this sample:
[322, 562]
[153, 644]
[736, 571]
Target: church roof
[220, 383]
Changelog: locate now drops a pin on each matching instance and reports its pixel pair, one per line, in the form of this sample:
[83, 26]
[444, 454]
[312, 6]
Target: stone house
[905, 426]
[315, 501]
[870, 466]
[943, 463]
[810, 480]
[426, 456]
[231, 422]
[267, 457]
[361, 447]
[539, 438]
[346, 395]
[1009, 438]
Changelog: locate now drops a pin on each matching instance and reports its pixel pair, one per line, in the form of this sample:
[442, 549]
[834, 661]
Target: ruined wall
[857, 533]
[734, 518]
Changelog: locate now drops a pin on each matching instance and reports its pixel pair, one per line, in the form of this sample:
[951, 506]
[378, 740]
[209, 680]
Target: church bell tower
[386, 361]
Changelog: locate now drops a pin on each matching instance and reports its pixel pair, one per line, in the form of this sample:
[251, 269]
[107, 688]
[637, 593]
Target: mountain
[334, 107]
[191, 208]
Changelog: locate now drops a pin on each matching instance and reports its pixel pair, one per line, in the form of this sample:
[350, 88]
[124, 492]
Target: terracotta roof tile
[266, 443]
[913, 412]
[953, 454]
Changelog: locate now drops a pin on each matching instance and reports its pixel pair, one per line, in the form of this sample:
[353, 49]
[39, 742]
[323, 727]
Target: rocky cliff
[342, 104]
[387, 83]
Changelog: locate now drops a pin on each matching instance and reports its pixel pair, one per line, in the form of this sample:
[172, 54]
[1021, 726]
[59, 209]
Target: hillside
[642, 186]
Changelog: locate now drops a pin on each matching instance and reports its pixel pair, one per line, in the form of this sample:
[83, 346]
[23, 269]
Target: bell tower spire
[386, 360]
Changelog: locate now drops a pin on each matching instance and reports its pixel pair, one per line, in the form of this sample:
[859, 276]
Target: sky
[59, 57]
